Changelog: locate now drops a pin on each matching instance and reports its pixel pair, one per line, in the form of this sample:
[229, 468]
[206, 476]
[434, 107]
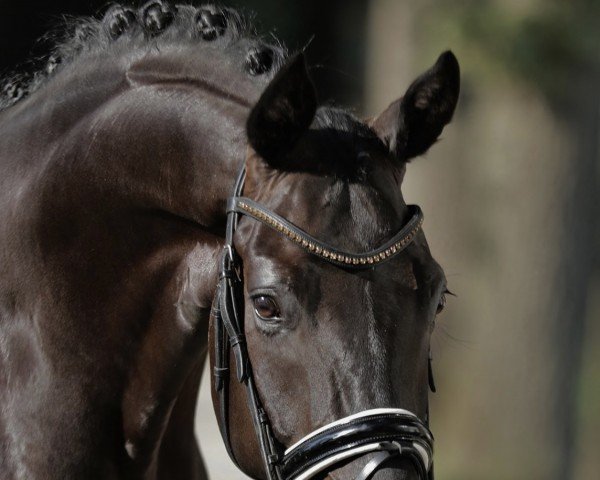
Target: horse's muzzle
[396, 468]
[385, 434]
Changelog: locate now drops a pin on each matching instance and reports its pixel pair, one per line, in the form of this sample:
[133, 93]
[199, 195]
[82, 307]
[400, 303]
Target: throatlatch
[390, 432]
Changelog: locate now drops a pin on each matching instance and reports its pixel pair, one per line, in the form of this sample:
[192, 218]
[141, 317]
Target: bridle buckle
[229, 267]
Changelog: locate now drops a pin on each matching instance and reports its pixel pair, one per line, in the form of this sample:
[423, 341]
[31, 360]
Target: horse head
[327, 339]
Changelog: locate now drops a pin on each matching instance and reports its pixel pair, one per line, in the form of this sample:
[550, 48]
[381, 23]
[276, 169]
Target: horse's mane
[125, 29]
[123, 26]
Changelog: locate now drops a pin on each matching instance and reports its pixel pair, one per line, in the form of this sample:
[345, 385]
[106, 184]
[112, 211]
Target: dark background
[334, 28]
[22, 23]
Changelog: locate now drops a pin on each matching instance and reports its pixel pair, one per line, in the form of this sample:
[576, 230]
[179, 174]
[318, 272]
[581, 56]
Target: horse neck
[118, 179]
[167, 130]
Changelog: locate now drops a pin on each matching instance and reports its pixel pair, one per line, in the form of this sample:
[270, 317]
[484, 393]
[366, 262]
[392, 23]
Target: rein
[389, 433]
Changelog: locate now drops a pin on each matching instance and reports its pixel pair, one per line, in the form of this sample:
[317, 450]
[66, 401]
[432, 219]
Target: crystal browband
[316, 247]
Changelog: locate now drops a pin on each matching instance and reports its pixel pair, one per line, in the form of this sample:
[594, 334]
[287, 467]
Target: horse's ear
[411, 124]
[283, 113]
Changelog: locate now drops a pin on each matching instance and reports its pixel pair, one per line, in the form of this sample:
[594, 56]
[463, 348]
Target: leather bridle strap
[228, 325]
[391, 433]
[385, 252]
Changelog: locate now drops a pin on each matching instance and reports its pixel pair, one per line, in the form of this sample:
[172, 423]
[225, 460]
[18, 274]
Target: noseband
[386, 433]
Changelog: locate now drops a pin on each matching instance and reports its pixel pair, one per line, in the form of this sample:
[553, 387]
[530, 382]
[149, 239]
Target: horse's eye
[265, 307]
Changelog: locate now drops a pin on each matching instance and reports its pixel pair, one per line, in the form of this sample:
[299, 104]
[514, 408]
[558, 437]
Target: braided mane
[155, 23]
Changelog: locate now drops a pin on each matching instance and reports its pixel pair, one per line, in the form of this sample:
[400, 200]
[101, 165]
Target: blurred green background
[511, 200]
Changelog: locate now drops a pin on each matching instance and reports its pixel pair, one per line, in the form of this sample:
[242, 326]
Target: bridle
[388, 433]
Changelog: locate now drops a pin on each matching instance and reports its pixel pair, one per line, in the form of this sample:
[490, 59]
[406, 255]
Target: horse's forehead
[349, 216]
[357, 212]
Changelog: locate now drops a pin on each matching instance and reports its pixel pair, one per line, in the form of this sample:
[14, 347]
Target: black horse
[116, 165]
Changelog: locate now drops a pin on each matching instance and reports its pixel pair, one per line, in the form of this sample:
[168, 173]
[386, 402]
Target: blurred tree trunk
[576, 260]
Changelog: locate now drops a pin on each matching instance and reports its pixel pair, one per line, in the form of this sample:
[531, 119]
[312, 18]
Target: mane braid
[153, 24]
